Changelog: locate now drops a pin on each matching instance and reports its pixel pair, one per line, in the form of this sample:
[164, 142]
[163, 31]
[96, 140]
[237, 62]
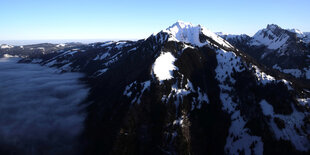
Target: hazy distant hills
[35, 49]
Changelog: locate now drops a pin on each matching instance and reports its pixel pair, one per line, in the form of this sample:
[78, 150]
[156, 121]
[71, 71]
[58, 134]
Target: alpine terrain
[186, 90]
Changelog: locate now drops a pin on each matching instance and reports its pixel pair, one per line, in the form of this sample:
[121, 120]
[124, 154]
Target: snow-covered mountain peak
[276, 38]
[272, 30]
[184, 32]
[182, 25]
[273, 37]
[305, 36]
[297, 31]
[189, 33]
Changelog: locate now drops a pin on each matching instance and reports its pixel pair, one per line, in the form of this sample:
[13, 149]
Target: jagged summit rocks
[195, 35]
[273, 37]
[184, 90]
[185, 32]
[273, 27]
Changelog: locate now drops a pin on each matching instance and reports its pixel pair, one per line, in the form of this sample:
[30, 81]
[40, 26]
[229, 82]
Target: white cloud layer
[40, 110]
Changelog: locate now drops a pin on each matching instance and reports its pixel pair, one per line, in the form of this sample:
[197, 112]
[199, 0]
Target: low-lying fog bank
[40, 110]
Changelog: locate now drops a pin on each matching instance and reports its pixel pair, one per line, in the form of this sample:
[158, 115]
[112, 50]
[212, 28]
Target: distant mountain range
[287, 50]
[187, 90]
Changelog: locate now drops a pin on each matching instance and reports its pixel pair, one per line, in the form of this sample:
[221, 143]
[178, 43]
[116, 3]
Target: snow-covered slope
[304, 36]
[4, 46]
[272, 37]
[227, 36]
[306, 39]
[286, 50]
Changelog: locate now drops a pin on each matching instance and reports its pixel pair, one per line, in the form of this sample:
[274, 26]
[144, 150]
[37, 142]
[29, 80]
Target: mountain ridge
[286, 50]
[184, 90]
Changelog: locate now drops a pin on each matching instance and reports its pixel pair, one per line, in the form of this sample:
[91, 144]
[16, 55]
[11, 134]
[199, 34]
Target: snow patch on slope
[131, 91]
[178, 93]
[9, 56]
[262, 76]
[292, 122]
[4, 46]
[101, 71]
[103, 56]
[238, 138]
[304, 101]
[107, 43]
[61, 45]
[227, 62]
[295, 72]
[164, 66]
[266, 108]
[305, 73]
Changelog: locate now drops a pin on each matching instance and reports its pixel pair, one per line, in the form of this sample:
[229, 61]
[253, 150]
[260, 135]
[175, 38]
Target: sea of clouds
[40, 110]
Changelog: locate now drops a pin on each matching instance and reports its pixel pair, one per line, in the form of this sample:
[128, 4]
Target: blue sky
[135, 19]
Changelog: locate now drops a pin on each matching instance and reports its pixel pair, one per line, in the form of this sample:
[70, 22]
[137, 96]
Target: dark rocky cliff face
[217, 100]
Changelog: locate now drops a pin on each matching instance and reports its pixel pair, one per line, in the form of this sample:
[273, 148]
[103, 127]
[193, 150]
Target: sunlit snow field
[40, 110]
